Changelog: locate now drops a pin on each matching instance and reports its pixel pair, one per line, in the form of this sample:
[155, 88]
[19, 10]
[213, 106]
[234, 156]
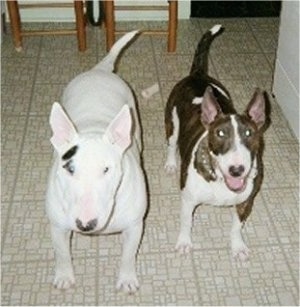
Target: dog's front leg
[64, 275]
[127, 277]
[184, 242]
[238, 246]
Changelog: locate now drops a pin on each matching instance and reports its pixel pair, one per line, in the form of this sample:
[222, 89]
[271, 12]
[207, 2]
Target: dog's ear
[63, 129]
[119, 130]
[258, 108]
[209, 107]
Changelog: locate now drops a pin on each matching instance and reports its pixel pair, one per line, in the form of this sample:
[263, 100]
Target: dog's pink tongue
[235, 184]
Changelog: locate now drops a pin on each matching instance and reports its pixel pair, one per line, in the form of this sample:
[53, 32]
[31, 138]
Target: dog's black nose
[91, 225]
[236, 171]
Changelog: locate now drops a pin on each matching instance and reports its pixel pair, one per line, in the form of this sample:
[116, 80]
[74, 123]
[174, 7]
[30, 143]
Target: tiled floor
[242, 58]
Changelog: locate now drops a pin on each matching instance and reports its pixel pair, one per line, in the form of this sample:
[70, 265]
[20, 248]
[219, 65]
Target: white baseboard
[287, 97]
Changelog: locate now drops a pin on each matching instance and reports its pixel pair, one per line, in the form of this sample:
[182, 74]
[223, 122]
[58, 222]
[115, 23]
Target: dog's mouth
[236, 184]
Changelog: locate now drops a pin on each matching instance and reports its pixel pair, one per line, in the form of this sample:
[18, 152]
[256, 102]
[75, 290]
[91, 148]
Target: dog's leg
[171, 164]
[64, 275]
[239, 248]
[184, 243]
[127, 277]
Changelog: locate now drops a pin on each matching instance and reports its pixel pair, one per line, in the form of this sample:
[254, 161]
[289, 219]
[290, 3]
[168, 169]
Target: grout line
[20, 156]
[280, 244]
[159, 81]
[272, 67]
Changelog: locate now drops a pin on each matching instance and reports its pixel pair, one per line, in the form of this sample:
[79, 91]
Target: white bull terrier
[96, 184]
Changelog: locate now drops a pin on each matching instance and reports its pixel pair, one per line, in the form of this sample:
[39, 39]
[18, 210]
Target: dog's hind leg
[238, 246]
[172, 131]
[128, 281]
[64, 275]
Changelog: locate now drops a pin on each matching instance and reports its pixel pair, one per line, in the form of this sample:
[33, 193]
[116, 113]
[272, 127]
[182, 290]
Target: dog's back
[93, 98]
[187, 95]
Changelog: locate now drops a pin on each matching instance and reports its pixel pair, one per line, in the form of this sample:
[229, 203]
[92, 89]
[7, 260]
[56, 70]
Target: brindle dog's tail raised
[200, 61]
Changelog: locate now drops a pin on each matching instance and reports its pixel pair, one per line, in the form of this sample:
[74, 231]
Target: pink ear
[63, 129]
[209, 107]
[256, 108]
[119, 130]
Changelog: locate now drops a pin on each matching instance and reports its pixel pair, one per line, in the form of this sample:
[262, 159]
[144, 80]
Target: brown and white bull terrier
[220, 150]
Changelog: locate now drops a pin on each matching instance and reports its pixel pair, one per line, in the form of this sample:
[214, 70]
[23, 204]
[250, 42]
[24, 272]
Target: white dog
[96, 184]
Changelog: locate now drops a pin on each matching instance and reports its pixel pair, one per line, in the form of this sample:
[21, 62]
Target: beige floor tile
[32, 177]
[263, 280]
[44, 96]
[15, 100]
[18, 71]
[57, 70]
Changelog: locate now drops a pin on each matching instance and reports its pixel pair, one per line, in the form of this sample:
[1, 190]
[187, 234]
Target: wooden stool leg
[172, 27]
[109, 23]
[80, 25]
[15, 23]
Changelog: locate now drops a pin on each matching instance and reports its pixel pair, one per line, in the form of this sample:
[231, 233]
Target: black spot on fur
[70, 153]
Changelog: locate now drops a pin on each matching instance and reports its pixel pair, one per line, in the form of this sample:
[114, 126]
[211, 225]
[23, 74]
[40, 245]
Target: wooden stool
[15, 22]
[171, 32]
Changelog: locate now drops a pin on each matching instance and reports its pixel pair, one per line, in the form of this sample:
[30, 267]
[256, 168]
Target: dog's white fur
[104, 180]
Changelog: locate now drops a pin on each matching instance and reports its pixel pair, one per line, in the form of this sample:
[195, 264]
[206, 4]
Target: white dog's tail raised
[108, 63]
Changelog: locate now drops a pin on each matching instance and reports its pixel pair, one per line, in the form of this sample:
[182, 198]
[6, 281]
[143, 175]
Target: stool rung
[147, 32]
[48, 32]
[141, 8]
[44, 5]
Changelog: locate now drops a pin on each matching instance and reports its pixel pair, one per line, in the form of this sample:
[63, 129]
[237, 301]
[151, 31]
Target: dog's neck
[204, 162]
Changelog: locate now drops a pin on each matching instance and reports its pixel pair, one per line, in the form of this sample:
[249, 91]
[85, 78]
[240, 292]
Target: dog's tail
[200, 62]
[108, 63]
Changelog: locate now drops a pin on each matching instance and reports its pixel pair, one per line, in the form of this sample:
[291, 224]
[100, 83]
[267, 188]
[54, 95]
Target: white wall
[286, 76]
[67, 14]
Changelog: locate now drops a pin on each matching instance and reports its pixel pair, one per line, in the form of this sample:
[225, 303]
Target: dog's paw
[184, 245]
[128, 283]
[240, 252]
[170, 167]
[171, 164]
[64, 280]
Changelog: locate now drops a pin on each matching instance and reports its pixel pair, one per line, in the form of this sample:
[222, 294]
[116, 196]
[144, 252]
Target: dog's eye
[105, 170]
[69, 167]
[220, 133]
[248, 132]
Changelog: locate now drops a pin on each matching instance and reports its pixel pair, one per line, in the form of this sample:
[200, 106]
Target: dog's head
[235, 140]
[89, 170]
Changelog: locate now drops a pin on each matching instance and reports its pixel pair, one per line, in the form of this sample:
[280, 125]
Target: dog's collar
[204, 162]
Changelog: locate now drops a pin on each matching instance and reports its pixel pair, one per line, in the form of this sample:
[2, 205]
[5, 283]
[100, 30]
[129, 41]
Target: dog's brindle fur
[191, 127]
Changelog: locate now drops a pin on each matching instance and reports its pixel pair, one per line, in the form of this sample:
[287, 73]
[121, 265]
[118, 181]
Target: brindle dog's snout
[236, 171]
[91, 225]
